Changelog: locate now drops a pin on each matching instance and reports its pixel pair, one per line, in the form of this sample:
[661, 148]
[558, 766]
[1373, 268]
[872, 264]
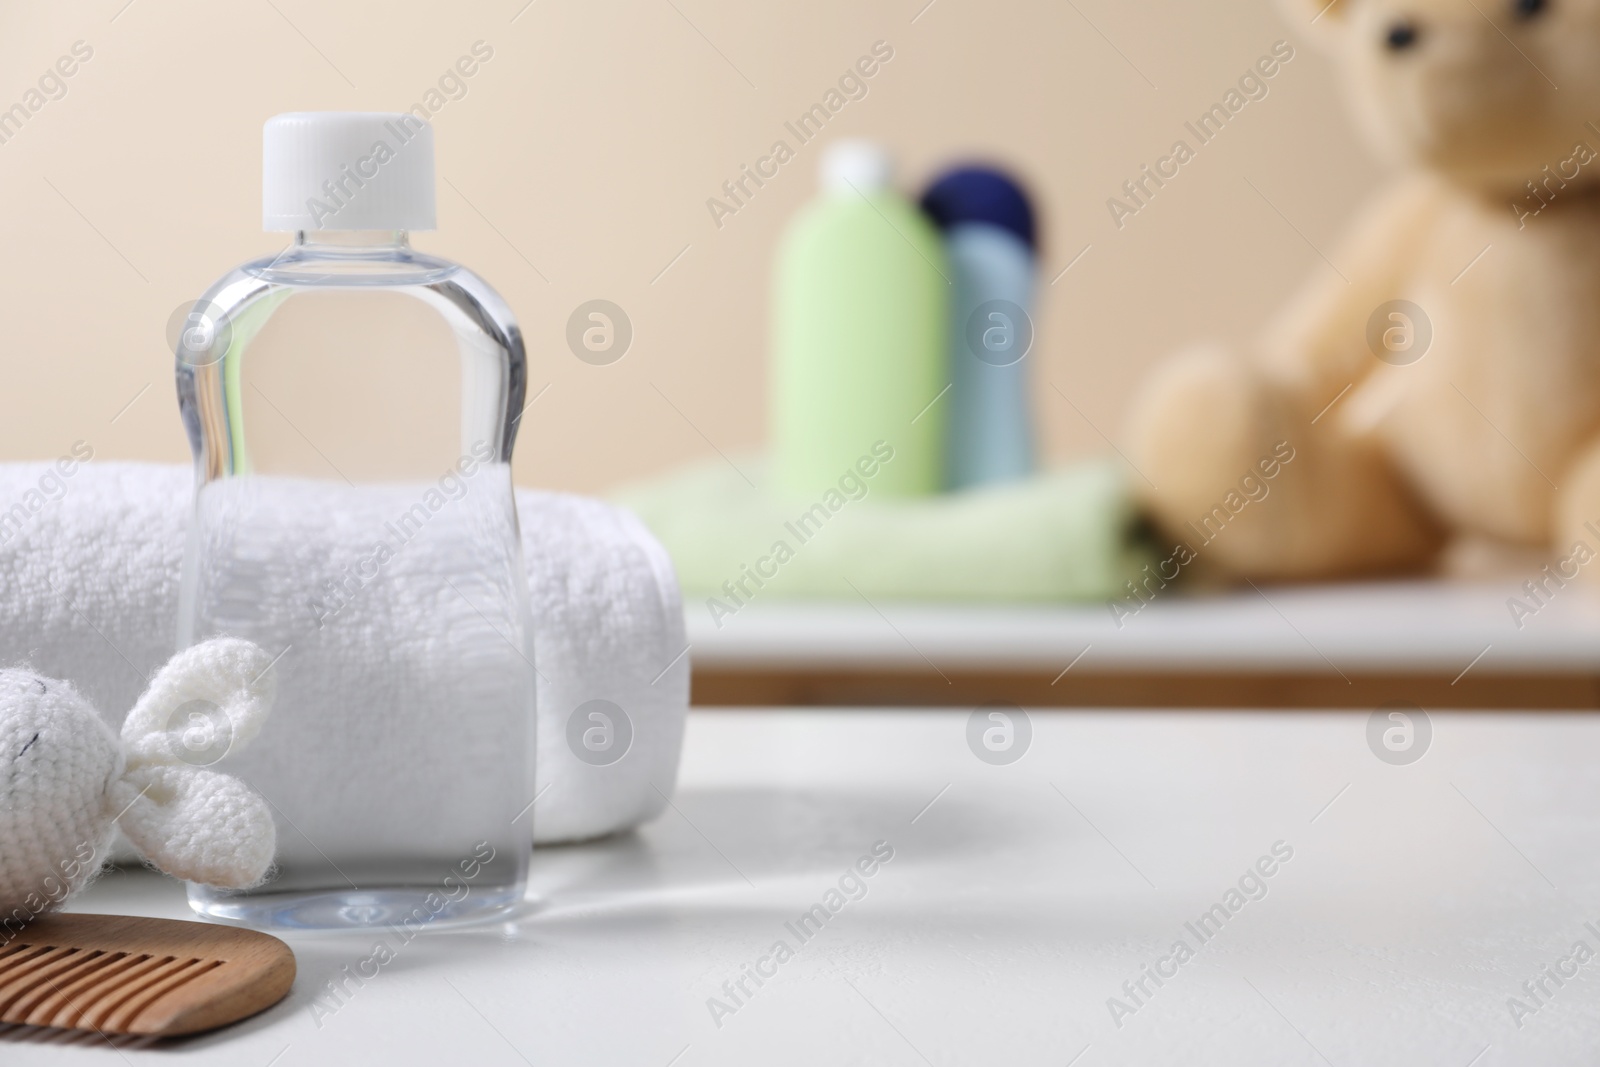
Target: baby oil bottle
[352, 404]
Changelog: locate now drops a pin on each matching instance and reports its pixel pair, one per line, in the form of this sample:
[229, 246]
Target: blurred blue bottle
[989, 235]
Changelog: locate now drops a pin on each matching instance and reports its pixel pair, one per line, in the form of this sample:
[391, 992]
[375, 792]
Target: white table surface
[1376, 626]
[1418, 900]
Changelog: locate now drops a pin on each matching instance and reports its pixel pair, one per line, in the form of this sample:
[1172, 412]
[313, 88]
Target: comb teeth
[88, 989]
[119, 974]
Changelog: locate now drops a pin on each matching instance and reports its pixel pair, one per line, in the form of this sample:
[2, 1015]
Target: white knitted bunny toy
[66, 779]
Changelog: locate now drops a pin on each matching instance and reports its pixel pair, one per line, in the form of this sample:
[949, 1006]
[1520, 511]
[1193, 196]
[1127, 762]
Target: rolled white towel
[90, 555]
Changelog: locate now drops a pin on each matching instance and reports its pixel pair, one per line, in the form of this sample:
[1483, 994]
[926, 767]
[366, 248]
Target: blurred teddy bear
[1446, 380]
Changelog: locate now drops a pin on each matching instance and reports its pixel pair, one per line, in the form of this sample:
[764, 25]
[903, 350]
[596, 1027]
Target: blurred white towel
[89, 569]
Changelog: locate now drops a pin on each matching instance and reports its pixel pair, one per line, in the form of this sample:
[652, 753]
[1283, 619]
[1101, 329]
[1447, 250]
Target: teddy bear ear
[1317, 17]
[197, 825]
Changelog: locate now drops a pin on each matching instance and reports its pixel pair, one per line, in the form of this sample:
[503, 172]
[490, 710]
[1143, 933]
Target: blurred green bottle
[860, 310]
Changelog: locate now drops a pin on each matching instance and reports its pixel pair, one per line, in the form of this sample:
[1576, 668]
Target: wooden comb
[115, 974]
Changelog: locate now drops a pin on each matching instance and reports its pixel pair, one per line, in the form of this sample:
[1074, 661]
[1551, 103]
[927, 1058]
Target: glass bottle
[352, 405]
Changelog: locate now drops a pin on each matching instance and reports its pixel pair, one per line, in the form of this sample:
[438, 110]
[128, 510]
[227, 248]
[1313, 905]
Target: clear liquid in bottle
[352, 406]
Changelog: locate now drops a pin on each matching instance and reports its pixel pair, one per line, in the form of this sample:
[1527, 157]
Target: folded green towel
[1072, 534]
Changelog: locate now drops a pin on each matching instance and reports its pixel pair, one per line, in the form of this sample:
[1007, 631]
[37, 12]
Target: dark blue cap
[981, 194]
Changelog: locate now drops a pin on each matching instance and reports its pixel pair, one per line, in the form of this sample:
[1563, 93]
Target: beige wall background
[579, 161]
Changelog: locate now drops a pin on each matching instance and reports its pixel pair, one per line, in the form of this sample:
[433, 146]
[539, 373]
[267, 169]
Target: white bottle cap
[347, 170]
[856, 164]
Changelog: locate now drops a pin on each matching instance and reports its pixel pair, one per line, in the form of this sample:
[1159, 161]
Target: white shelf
[1376, 627]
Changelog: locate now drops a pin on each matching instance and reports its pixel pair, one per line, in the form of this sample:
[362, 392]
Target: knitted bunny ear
[197, 825]
[215, 693]
[207, 702]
